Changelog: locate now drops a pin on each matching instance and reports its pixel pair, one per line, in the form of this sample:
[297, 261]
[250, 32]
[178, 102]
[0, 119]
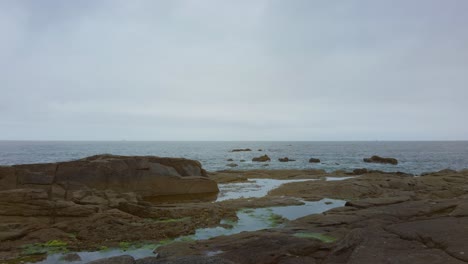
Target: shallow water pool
[254, 188]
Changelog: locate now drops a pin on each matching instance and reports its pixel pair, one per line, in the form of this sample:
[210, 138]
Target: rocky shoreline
[108, 201]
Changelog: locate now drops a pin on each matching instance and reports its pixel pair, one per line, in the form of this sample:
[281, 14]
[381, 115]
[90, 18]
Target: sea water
[413, 157]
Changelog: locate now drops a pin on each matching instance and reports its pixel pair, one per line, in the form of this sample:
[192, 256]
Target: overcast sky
[234, 70]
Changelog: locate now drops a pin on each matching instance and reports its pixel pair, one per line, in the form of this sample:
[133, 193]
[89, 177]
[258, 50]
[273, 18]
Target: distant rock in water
[285, 159]
[377, 159]
[263, 158]
[232, 165]
[314, 160]
[143, 175]
[230, 160]
[260, 149]
[240, 150]
[242, 160]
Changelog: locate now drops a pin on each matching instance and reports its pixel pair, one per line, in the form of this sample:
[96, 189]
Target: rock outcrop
[146, 176]
[378, 159]
[103, 198]
[285, 159]
[314, 160]
[241, 150]
[263, 158]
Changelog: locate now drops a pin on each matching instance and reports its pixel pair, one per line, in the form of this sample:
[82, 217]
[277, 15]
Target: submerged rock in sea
[144, 175]
[285, 159]
[314, 160]
[263, 158]
[232, 165]
[378, 159]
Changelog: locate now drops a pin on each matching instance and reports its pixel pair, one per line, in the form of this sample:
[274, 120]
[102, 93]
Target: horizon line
[125, 140]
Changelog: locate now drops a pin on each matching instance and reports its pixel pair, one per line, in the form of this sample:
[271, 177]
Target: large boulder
[144, 175]
[378, 159]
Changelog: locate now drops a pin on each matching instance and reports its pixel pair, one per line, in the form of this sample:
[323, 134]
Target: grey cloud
[233, 70]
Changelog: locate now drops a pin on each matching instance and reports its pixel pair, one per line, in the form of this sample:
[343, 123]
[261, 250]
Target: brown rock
[360, 171]
[145, 175]
[285, 159]
[314, 160]
[263, 158]
[377, 159]
[240, 150]
[8, 178]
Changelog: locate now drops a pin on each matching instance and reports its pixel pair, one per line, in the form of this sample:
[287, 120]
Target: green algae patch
[50, 247]
[321, 237]
[104, 248]
[56, 243]
[124, 245]
[275, 220]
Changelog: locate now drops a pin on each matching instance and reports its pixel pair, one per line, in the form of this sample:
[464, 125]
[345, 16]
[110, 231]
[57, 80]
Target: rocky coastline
[109, 201]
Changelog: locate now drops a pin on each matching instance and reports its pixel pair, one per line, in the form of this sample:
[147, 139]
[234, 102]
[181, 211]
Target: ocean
[414, 157]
